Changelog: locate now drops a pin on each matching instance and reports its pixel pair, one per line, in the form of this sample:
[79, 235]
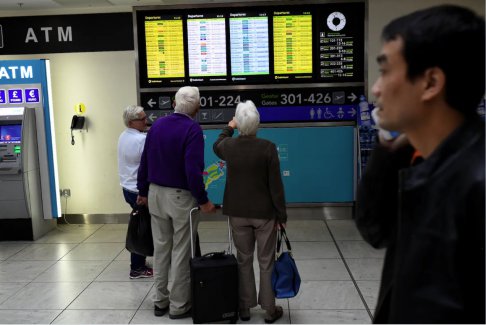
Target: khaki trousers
[245, 232]
[170, 209]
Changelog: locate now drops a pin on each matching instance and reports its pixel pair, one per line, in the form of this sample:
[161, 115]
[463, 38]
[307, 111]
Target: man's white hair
[247, 118]
[131, 113]
[187, 100]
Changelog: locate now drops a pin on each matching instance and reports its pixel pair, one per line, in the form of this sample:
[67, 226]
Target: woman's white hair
[131, 113]
[247, 118]
[187, 100]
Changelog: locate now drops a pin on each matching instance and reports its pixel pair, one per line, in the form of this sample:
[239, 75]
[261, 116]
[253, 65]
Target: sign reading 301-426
[313, 98]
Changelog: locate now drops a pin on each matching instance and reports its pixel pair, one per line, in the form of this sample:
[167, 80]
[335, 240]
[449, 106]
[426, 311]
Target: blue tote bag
[285, 276]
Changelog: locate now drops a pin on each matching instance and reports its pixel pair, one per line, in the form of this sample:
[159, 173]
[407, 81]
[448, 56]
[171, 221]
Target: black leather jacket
[431, 218]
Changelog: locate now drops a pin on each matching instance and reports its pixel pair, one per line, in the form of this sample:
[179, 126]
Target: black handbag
[139, 234]
[285, 276]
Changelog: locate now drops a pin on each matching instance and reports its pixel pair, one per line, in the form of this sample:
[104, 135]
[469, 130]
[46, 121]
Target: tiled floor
[79, 274]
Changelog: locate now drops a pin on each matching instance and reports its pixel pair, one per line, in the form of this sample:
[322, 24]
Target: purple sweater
[173, 156]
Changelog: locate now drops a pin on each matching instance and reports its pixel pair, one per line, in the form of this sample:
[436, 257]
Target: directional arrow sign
[152, 117]
[352, 97]
[151, 103]
[352, 112]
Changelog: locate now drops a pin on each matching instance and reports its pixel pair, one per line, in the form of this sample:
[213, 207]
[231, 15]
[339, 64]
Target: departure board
[292, 43]
[165, 48]
[249, 45]
[206, 38]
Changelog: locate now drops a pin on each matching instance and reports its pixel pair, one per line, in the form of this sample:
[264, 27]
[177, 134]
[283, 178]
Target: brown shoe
[272, 317]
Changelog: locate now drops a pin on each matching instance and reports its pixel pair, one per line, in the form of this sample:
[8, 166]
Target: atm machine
[21, 197]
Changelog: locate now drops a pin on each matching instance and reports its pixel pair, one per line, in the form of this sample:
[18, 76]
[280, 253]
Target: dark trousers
[137, 261]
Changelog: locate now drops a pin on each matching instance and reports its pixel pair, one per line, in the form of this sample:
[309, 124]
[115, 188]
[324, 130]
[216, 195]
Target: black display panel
[242, 45]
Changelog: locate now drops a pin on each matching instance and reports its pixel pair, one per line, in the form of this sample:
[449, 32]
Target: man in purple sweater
[170, 181]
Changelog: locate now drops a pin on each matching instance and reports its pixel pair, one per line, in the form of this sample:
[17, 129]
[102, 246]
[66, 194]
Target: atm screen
[11, 133]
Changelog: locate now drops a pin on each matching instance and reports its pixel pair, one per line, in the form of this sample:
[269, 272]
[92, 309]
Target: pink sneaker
[146, 272]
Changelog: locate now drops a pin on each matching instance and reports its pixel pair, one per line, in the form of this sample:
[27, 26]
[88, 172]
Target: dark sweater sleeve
[219, 144]
[276, 185]
[194, 164]
[377, 196]
[142, 175]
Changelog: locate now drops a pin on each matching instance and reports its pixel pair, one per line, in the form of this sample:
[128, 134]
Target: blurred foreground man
[429, 216]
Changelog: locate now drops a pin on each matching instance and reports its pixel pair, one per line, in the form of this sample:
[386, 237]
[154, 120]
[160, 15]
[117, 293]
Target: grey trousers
[245, 232]
[170, 208]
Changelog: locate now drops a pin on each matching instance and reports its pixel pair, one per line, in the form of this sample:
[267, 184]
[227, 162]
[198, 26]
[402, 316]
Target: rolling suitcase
[214, 284]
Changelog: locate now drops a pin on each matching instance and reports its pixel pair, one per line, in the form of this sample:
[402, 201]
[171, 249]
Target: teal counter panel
[317, 163]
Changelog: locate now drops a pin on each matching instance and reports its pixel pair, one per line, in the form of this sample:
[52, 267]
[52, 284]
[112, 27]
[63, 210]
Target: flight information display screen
[249, 45]
[244, 45]
[206, 39]
[164, 48]
[292, 44]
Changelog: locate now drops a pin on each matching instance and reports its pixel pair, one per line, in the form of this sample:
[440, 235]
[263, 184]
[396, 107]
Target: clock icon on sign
[336, 21]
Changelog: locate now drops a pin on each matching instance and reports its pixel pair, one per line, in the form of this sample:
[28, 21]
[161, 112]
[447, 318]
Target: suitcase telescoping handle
[217, 206]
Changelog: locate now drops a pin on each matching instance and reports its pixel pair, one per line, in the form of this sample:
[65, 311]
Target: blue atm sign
[15, 96]
[3, 99]
[31, 95]
[16, 72]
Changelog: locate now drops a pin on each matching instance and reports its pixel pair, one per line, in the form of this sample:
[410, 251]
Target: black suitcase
[214, 284]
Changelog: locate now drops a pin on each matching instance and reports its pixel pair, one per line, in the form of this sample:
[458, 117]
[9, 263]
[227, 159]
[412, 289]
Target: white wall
[106, 83]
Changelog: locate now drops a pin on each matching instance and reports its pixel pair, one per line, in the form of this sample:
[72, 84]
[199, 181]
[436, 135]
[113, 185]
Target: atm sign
[15, 96]
[31, 95]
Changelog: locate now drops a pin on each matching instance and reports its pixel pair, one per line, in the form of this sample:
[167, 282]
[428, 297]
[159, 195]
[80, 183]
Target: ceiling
[28, 5]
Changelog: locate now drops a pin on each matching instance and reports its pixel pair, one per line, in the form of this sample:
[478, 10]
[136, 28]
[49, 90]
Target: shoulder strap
[282, 234]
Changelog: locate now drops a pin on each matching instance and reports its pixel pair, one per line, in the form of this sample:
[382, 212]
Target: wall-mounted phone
[77, 123]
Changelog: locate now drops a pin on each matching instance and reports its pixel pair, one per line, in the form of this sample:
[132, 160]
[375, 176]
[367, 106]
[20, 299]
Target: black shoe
[244, 314]
[160, 311]
[271, 318]
[184, 315]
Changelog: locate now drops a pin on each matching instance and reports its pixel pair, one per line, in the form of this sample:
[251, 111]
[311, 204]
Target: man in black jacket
[431, 217]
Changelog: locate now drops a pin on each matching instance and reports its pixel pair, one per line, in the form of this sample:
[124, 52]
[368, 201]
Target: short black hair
[451, 38]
